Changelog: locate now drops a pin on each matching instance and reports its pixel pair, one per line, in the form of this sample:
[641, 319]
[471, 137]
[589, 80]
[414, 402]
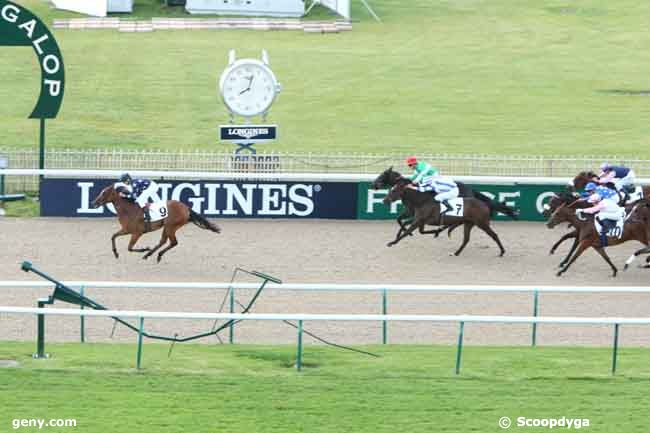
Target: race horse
[584, 177]
[427, 212]
[389, 177]
[131, 218]
[636, 227]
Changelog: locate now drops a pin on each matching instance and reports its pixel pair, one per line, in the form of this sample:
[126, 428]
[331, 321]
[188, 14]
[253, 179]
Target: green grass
[462, 76]
[256, 389]
[29, 207]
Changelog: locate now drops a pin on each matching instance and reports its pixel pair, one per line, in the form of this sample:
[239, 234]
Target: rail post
[299, 354]
[82, 322]
[533, 342]
[384, 311]
[40, 338]
[231, 328]
[615, 351]
[460, 347]
[140, 331]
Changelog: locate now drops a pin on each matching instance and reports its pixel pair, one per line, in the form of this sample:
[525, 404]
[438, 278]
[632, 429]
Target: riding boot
[603, 237]
[147, 219]
[447, 206]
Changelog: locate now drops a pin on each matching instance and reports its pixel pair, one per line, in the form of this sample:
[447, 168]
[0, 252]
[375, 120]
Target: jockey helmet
[126, 178]
[591, 186]
[411, 160]
[605, 166]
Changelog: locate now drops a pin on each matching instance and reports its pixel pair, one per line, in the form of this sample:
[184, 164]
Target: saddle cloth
[158, 211]
[634, 196]
[615, 232]
[458, 207]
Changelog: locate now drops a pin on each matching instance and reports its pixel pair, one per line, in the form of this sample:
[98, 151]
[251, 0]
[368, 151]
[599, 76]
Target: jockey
[422, 171]
[444, 188]
[605, 205]
[139, 191]
[622, 177]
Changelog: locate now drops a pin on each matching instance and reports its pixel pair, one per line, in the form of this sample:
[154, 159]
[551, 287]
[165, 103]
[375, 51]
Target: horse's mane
[587, 173]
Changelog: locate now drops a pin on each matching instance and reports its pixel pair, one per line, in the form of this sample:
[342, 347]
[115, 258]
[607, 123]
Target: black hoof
[625, 267]
[158, 259]
[145, 257]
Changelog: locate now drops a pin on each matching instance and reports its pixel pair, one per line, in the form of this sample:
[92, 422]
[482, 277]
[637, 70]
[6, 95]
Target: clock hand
[245, 90]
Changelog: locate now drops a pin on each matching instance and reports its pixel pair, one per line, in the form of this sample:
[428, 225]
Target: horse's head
[556, 201]
[566, 212]
[107, 195]
[387, 178]
[583, 178]
[397, 190]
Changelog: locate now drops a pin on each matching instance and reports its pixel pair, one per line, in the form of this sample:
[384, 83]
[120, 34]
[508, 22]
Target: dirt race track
[321, 251]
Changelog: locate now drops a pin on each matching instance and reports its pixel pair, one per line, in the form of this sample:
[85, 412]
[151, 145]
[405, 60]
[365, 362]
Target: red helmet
[411, 160]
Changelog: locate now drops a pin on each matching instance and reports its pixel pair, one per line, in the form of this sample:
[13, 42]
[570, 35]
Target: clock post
[248, 88]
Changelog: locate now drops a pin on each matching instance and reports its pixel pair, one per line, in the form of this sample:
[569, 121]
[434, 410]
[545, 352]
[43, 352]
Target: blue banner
[214, 199]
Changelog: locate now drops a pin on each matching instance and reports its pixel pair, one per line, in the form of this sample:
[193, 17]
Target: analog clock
[248, 86]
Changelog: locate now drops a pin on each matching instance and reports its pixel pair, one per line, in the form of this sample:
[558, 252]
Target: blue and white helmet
[605, 166]
[125, 178]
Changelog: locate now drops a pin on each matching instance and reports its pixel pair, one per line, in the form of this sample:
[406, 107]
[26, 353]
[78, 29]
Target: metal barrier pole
[535, 310]
[81, 318]
[231, 336]
[615, 349]
[140, 331]
[384, 311]
[299, 354]
[460, 347]
[40, 339]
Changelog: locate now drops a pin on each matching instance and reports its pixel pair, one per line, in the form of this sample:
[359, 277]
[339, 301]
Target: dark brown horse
[389, 177]
[584, 177]
[131, 218]
[427, 212]
[635, 228]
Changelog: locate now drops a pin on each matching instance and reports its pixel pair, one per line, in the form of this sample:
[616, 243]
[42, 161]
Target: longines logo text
[250, 199]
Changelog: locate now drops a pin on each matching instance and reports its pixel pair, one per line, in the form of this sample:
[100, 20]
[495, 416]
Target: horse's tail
[496, 206]
[203, 222]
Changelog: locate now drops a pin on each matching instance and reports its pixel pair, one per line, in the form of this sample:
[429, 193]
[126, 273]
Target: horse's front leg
[132, 242]
[584, 244]
[404, 216]
[570, 235]
[121, 232]
[417, 223]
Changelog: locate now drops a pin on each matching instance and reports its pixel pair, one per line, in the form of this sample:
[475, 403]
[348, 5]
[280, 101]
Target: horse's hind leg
[117, 234]
[163, 240]
[487, 229]
[604, 255]
[468, 228]
[132, 242]
[172, 243]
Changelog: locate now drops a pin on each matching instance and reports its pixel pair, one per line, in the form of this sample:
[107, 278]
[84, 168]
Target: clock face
[248, 88]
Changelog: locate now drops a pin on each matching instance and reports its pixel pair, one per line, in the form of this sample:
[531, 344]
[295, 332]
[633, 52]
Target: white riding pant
[447, 195]
[627, 180]
[150, 193]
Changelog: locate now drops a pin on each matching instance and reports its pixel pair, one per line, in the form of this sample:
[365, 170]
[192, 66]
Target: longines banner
[20, 27]
[214, 199]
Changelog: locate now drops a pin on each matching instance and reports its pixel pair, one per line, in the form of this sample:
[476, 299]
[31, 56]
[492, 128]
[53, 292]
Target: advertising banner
[226, 199]
[529, 199]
